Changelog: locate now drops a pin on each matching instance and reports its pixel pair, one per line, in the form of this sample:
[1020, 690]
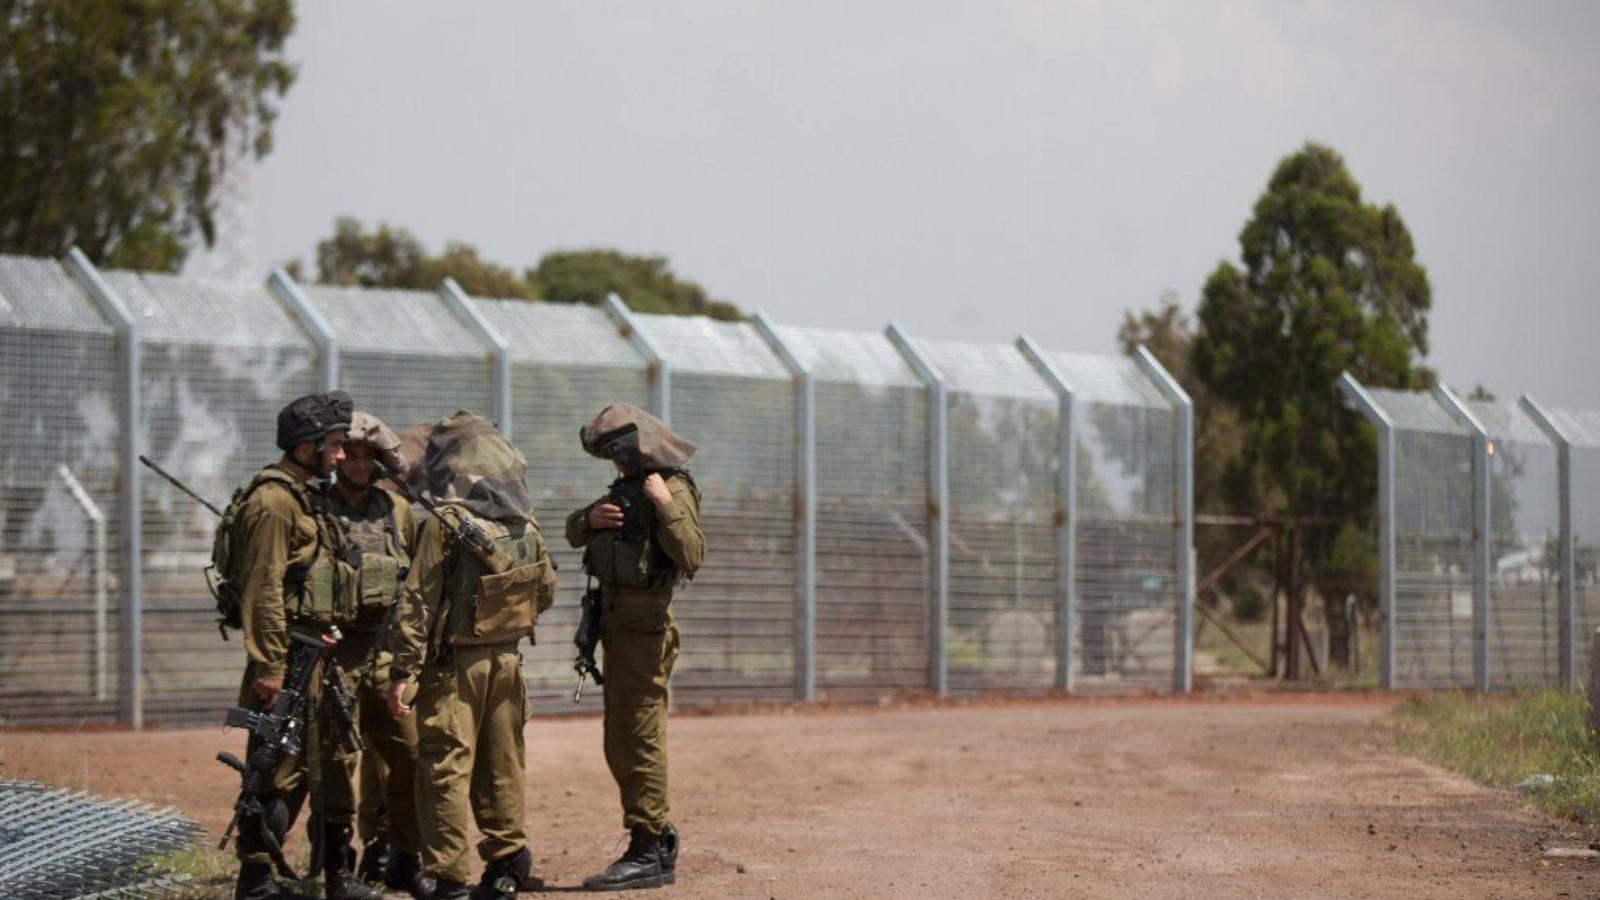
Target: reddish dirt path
[1287, 796]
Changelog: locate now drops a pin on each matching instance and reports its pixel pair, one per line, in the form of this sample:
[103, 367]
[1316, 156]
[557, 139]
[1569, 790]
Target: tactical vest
[630, 557]
[495, 609]
[322, 592]
[385, 558]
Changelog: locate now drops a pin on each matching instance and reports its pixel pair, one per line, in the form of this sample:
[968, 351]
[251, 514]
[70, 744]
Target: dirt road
[1268, 797]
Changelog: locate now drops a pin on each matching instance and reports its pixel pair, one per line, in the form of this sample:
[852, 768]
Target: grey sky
[972, 169]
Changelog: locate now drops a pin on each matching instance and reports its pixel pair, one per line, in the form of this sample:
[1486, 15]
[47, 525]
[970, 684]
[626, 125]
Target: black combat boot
[404, 873]
[444, 889]
[257, 883]
[669, 849]
[504, 877]
[374, 861]
[338, 874]
[643, 865]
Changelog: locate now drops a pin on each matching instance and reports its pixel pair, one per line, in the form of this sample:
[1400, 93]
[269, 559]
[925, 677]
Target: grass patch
[211, 872]
[1503, 739]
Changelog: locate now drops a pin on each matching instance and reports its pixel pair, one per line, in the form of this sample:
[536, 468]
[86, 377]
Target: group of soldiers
[424, 612]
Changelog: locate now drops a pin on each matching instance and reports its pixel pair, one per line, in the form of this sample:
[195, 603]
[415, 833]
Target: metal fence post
[1567, 554]
[130, 524]
[938, 504]
[1066, 512]
[656, 365]
[1375, 415]
[805, 408]
[1481, 450]
[288, 293]
[97, 518]
[499, 349]
[1183, 487]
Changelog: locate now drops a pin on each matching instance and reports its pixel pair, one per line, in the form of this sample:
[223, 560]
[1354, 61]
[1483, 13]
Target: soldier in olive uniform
[640, 541]
[467, 603]
[290, 569]
[382, 526]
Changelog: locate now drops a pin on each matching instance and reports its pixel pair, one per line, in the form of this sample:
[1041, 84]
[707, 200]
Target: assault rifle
[586, 638]
[459, 528]
[279, 732]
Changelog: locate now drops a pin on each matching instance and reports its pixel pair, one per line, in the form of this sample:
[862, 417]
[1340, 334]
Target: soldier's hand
[267, 688]
[655, 487]
[397, 700]
[605, 515]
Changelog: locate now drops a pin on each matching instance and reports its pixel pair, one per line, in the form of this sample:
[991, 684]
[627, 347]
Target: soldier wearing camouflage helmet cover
[640, 541]
[463, 612]
[381, 524]
[291, 567]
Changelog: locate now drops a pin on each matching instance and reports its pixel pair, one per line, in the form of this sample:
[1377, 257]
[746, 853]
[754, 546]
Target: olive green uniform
[385, 531]
[471, 703]
[286, 568]
[640, 640]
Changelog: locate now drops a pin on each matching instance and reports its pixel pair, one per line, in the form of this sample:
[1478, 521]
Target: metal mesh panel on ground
[567, 363]
[58, 387]
[873, 564]
[219, 361]
[1524, 550]
[1582, 429]
[1127, 567]
[1004, 450]
[733, 398]
[1433, 621]
[403, 355]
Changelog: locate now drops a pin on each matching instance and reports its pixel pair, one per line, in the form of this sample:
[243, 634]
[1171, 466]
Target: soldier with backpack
[479, 579]
[640, 541]
[282, 560]
[382, 526]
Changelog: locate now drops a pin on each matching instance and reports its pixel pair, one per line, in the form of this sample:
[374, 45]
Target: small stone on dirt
[1571, 853]
[739, 868]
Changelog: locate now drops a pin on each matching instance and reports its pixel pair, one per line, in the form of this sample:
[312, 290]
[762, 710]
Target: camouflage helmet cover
[468, 461]
[625, 433]
[366, 428]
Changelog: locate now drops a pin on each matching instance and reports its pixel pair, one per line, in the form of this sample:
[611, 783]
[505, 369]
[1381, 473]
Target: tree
[646, 282]
[1330, 283]
[116, 117]
[394, 257]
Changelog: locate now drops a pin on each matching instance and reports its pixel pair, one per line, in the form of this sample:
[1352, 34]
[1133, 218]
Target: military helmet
[311, 417]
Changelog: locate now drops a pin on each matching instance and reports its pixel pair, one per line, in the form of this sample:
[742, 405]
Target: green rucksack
[221, 576]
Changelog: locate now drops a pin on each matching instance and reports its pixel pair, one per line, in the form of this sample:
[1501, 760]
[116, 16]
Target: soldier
[640, 541]
[291, 567]
[382, 526]
[480, 577]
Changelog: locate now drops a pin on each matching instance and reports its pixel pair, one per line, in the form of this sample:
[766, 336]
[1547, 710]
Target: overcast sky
[971, 170]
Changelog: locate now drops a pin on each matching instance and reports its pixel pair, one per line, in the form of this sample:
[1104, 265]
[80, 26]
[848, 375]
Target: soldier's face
[356, 469]
[332, 452]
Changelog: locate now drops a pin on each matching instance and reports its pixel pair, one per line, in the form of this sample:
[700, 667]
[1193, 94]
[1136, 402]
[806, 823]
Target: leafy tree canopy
[393, 257]
[115, 118]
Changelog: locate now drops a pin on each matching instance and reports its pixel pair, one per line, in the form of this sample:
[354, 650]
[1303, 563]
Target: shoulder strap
[389, 522]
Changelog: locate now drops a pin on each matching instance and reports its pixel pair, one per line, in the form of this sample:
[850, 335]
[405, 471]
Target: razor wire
[62, 843]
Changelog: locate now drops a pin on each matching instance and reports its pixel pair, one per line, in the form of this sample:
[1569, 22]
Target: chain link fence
[882, 514]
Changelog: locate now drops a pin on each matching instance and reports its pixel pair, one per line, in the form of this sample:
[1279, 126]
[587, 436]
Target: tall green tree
[1328, 283]
[393, 257]
[115, 118]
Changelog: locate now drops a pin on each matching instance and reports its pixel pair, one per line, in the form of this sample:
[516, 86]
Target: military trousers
[470, 712]
[387, 809]
[290, 782]
[640, 640]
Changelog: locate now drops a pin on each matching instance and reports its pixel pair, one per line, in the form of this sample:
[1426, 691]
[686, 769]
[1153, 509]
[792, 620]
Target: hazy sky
[972, 170]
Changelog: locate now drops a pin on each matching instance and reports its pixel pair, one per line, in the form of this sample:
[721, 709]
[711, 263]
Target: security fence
[883, 514]
[1486, 529]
